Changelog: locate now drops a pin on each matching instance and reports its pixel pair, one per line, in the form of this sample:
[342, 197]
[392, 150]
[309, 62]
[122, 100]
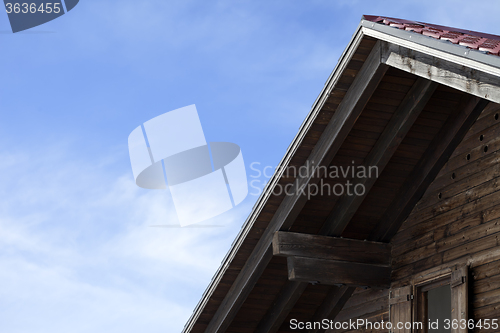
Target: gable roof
[380, 67]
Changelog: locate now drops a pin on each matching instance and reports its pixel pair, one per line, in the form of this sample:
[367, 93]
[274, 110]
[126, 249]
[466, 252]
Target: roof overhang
[455, 66]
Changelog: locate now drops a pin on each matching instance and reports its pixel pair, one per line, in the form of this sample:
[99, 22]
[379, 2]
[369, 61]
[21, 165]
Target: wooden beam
[466, 79]
[395, 131]
[331, 248]
[389, 141]
[333, 272]
[438, 153]
[332, 305]
[282, 305]
[338, 128]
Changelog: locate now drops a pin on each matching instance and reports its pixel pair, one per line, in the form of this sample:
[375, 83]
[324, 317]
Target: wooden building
[420, 103]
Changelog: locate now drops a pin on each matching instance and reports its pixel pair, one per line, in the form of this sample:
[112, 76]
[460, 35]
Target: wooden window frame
[420, 298]
[414, 309]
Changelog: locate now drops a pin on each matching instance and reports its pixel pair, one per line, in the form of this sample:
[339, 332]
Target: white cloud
[78, 253]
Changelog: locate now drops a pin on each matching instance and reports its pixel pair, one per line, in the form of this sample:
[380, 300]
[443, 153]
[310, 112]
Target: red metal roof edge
[484, 42]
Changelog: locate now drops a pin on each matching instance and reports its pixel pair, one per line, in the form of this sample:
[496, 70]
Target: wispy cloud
[76, 247]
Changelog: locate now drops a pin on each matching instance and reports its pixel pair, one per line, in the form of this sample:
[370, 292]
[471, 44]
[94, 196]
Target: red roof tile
[471, 39]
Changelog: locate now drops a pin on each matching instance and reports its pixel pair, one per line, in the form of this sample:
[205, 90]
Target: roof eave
[435, 47]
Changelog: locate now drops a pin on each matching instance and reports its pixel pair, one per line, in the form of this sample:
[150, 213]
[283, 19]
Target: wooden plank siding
[458, 220]
[455, 218]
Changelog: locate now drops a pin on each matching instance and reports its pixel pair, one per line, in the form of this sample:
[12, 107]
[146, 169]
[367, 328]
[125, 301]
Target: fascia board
[435, 47]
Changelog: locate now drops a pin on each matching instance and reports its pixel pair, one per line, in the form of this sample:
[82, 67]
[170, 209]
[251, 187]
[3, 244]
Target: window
[434, 305]
[439, 301]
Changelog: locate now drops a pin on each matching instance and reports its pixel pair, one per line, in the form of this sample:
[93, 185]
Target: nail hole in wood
[440, 195]
[453, 176]
[485, 149]
[468, 157]
[496, 116]
[481, 137]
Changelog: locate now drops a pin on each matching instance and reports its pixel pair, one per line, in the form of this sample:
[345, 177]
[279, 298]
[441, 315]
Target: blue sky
[77, 250]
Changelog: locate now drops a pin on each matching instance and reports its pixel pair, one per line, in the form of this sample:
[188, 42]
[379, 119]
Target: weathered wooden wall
[456, 221]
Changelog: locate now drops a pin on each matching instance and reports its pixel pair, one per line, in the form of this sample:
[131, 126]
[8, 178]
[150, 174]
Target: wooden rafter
[401, 122]
[282, 305]
[332, 138]
[385, 147]
[428, 167]
[399, 125]
[332, 305]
